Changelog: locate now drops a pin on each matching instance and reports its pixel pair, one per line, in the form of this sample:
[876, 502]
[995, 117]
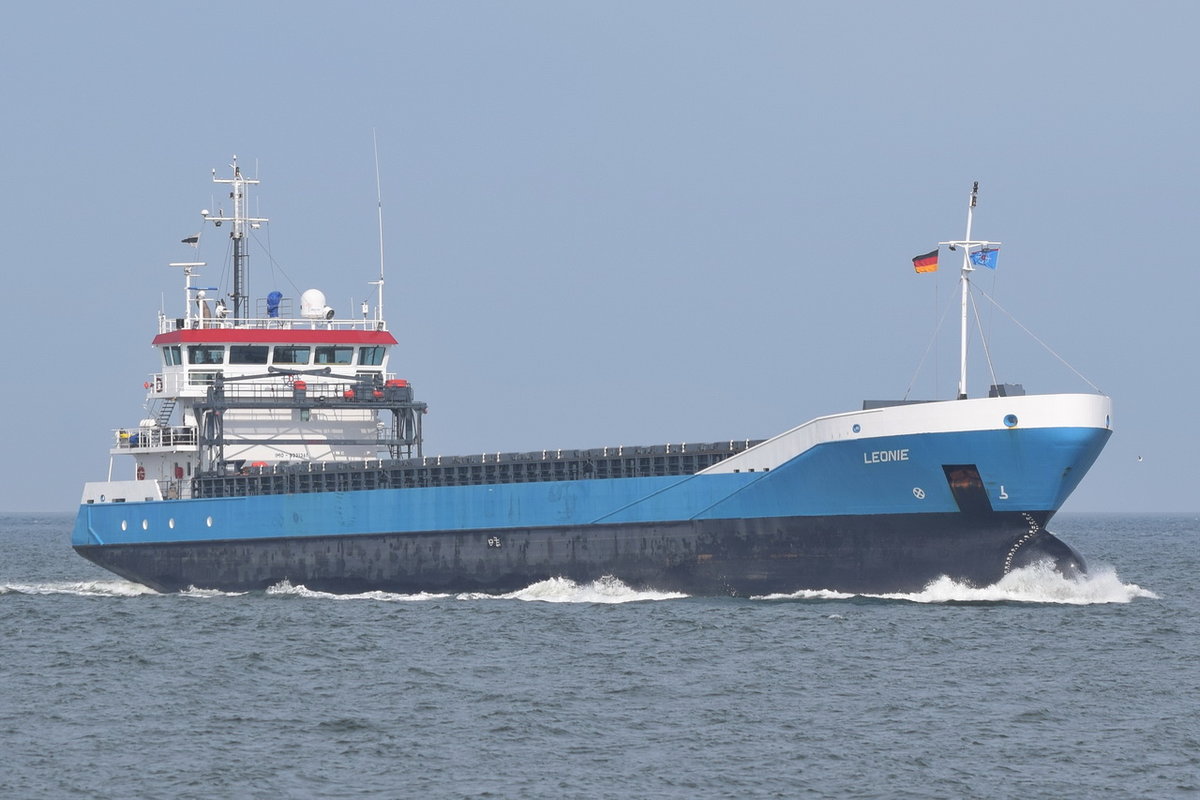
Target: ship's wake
[113, 588]
[563, 590]
[1037, 583]
[554, 590]
[287, 589]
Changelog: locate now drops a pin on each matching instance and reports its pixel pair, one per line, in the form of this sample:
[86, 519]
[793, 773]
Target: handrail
[176, 436]
[171, 324]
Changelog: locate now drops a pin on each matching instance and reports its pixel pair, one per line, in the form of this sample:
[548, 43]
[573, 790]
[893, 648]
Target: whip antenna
[379, 200]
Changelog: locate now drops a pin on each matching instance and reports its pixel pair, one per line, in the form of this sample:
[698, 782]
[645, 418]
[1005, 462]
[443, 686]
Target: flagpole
[965, 279]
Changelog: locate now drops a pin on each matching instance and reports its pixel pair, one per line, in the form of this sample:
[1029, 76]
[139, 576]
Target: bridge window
[206, 354]
[292, 355]
[370, 356]
[335, 355]
[248, 353]
[199, 378]
[172, 356]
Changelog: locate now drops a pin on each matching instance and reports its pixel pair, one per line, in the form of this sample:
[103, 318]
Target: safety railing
[177, 436]
[169, 324]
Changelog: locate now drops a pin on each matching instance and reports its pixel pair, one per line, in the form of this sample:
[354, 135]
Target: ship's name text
[882, 456]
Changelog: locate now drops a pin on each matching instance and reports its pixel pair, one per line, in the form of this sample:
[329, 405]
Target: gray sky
[615, 223]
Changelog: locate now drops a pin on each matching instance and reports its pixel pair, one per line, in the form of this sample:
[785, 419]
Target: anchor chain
[1034, 529]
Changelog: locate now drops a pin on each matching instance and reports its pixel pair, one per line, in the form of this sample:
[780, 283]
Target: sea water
[1038, 686]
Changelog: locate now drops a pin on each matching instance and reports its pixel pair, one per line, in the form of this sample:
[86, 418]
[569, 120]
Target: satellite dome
[312, 305]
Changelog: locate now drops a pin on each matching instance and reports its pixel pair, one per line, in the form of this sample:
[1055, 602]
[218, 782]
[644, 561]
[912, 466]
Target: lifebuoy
[141, 473]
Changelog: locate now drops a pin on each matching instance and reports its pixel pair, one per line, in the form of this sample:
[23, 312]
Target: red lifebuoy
[141, 473]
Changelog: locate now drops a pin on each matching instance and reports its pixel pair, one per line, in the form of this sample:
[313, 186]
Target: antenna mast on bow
[967, 244]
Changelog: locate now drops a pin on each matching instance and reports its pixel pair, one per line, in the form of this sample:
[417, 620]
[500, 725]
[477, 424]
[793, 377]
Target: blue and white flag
[985, 257]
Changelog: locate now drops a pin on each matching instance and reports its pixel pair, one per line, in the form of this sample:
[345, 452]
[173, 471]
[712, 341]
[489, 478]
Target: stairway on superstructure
[163, 417]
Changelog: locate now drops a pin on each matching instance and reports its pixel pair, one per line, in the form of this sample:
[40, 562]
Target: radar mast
[239, 220]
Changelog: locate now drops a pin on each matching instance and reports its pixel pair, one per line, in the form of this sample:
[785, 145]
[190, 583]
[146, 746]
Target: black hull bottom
[859, 554]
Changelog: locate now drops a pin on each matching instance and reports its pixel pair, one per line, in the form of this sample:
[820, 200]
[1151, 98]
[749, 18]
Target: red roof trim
[273, 336]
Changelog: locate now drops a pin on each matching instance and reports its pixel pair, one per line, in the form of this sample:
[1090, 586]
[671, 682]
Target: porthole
[1010, 421]
[857, 428]
[145, 524]
[124, 525]
[171, 523]
[208, 522]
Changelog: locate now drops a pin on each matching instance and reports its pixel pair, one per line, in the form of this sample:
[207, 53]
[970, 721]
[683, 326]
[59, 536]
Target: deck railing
[177, 436]
[169, 324]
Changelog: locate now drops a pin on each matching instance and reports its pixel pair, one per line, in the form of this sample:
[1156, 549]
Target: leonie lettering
[884, 456]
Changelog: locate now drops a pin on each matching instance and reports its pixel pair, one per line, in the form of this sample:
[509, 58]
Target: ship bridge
[248, 382]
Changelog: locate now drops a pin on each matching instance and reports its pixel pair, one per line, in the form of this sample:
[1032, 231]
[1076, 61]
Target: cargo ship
[281, 444]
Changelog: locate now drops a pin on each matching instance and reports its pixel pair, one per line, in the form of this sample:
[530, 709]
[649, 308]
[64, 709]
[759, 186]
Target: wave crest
[1037, 583]
[287, 589]
[553, 590]
[564, 590]
[114, 588]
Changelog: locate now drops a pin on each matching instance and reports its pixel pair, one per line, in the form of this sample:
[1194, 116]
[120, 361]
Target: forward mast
[968, 245]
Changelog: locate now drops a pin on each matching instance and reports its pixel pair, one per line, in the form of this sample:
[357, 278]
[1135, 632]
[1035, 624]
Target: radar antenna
[241, 259]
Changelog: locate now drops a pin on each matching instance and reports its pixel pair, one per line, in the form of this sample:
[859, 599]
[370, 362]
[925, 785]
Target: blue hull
[862, 515]
[899, 553]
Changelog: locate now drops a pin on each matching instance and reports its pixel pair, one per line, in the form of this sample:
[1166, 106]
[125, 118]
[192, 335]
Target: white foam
[1037, 583]
[806, 594]
[192, 591]
[286, 588]
[563, 590]
[116, 588]
[554, 590]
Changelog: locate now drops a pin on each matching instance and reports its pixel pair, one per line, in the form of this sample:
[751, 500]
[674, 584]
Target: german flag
[926, 263]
